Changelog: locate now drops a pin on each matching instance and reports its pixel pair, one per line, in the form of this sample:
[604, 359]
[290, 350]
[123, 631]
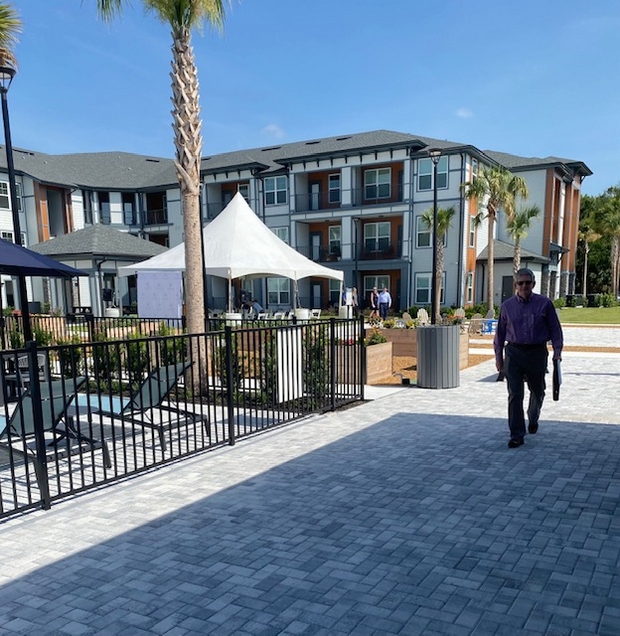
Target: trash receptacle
[438, 356]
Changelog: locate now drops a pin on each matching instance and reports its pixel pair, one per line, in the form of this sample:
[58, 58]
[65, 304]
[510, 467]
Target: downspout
[459, 278]
[411, 230]
[100, 279]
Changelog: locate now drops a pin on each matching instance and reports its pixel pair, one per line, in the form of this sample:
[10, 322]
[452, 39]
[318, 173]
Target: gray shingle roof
[126, 171]
[96, 170]
[514, 162]
[505, 252]
[99, 240]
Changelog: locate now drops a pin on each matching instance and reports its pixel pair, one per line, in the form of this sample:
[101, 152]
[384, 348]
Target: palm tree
[610, 226]
[518, 227]
[587, 233]
[494, 189]
[10, 26]
[183, 16]
[444, 221]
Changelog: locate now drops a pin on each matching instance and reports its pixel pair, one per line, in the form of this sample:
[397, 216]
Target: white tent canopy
[237, 244]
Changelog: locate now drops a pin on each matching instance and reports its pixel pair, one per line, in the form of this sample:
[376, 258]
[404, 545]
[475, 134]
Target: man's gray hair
[525, 271]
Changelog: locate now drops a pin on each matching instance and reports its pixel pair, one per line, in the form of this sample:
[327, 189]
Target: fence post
[229, 384]
[332, 361]
[40, 461]
[362, 356]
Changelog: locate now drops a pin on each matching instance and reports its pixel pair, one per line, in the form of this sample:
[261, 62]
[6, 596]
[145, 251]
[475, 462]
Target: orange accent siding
[548, 212]
[43, 220]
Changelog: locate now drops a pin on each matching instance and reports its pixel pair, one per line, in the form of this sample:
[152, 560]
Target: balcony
[155, 217]
[379, 250]
[358, 197]
[320, 254]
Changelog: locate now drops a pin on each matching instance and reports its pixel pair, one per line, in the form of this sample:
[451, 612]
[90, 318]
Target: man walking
[527, 321]
[385, 302]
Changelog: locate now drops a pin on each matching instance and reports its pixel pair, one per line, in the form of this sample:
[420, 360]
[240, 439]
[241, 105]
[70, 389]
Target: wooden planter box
[378, 362]
[405, 344]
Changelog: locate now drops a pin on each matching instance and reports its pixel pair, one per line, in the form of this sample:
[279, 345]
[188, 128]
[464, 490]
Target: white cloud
[273, 131]
[464, 113]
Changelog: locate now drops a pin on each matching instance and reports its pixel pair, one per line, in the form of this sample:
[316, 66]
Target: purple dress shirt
[534, 321]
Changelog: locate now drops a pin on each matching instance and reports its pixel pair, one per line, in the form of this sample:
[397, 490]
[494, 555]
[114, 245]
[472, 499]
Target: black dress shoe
[515, 443]
[532, 428]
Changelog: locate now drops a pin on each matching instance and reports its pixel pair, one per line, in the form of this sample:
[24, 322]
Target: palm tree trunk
[615, 264]
[438, 277]
[517, 258]
[188, 144]
[586, 251]
[491, 262]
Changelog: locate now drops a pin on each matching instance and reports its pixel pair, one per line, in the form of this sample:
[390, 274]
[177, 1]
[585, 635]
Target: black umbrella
[16, 260]
[19, 261]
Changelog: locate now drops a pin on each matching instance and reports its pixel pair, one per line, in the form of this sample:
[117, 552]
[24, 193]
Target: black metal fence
[77, 416]
[75, 328]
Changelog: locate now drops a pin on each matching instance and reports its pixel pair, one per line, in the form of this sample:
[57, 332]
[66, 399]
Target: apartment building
[353, 202]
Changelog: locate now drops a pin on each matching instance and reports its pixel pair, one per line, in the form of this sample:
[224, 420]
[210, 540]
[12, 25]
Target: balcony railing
[358, 197]
[155, 217]
[368, 251]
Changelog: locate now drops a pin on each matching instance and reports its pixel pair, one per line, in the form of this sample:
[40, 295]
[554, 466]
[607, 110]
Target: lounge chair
[18, 433]
[142, 406]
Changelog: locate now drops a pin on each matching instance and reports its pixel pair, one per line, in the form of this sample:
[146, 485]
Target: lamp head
[7, 73]
[434, 154]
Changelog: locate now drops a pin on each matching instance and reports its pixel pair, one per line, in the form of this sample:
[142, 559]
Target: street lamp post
[6, 77]
[435, 154]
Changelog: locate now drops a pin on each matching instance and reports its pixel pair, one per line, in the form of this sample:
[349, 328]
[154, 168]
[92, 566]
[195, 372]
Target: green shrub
[374, 337]
[43, 337]
[70, 358]
[608, 300]
[559, 303]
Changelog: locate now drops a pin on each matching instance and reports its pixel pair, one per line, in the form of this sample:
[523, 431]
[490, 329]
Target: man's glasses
[524, 282]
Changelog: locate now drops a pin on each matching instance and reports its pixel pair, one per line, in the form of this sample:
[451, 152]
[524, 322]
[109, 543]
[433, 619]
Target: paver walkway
[406, 515]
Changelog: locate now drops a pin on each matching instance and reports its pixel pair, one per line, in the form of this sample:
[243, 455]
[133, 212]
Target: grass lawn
[590, 315]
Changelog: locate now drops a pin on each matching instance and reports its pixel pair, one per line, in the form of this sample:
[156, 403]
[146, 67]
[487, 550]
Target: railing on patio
[84, 327]
[77, 416]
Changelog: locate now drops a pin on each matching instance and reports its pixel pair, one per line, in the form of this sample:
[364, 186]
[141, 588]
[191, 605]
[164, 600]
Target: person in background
[385, 302]
[374, 304]
[355, 302]
[527, 321]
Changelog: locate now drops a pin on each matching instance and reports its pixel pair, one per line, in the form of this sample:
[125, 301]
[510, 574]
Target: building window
[423, 233]
[129, 214]
[87, 202]
[377, 183]
[281, 233]
[472, 231]
[334, 240]
[377, 236]
[244, 189]
[425, 174]
[334, 292]
[333, 184]
[370, 282]
[423, 288]
[278, 291]
[469, 288]
[5, 196]
[275, 190]
[104, 208]
[8, 236]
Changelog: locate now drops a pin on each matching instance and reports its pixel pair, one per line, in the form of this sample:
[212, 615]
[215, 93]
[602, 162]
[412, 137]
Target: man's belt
[525, 347]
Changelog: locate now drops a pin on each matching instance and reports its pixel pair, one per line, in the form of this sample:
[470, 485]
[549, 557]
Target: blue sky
[531, 78]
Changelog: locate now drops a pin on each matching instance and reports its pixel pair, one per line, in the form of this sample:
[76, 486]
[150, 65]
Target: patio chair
[422, 317]
[59, 428]
[142, 406]
[475, 324]
[23, 367]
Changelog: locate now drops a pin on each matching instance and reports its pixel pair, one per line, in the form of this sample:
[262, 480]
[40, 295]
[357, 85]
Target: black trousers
[524, 364]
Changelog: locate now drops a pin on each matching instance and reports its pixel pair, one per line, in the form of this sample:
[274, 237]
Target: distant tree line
[598, 256]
